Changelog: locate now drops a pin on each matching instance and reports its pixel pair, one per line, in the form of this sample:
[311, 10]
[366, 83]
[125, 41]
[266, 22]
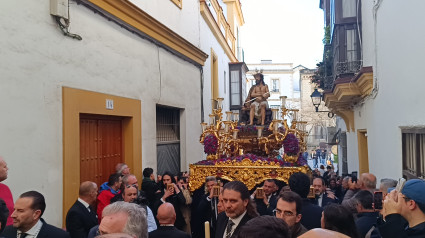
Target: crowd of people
[321, 205]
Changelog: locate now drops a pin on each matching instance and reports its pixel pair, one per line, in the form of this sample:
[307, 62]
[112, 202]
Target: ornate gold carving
[249, 172]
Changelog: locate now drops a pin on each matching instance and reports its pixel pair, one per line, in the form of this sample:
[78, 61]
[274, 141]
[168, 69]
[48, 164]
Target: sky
[284, 31]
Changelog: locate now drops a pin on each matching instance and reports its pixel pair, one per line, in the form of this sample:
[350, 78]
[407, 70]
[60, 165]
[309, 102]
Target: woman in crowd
[335, 217]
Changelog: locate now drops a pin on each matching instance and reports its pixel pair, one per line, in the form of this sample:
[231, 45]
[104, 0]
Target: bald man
[166, 216]
[81, 216]
[5, 192]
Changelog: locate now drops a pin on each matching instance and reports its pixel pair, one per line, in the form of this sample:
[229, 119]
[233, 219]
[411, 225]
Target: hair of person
[338, 218]
[421, 206]
[346, 178]
[368, 183]
[120, 167]
[388, 183]
[244, 192]
[38, 202]
[289, 196]
[265, 227]
[365, 198]
[321, 178]
[300, 183]
[136, 222]
[147, 172]
[86, 188]
[125, 178]
[173, 180]
[113, 178]
[4, 214]
[115, 235]
[270, 181]
[210, 178]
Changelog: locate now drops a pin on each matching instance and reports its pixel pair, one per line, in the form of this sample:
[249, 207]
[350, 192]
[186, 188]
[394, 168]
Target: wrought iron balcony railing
[347, 67]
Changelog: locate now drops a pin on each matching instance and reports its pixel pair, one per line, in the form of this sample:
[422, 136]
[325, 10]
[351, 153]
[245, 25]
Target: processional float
[249, 153]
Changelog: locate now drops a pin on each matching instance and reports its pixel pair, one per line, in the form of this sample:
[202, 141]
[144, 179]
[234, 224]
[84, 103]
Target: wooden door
[100, 147]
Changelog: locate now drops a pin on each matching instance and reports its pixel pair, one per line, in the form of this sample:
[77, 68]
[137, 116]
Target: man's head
[148, 173]
[210, 182]
[364, 200]
[269, 186]
[368, 181]
[265, 227]
[289, 207]
[319, 185]
[129, 193]
[28, 209]
[130, 179]
[166, 214]
[329, 168]
[386, 183]
[88, 192]
[124, 217]
[115, 181]
[122, 169]
[345, 182]
[235, 198]
[3, 169]
[414, 199]
[4, 214]
[168, 178]
[259, 78]
[300, 183]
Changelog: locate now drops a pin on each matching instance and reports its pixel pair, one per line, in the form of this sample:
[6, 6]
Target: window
[413, 142]
[351, 47]
[349, 8]
[275, 85]
[168, 139]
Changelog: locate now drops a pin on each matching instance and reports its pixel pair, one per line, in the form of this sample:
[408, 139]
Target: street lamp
[316, 98]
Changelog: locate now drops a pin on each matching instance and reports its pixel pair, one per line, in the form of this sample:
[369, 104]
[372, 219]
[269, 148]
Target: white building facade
[376, 87]
[140, 79]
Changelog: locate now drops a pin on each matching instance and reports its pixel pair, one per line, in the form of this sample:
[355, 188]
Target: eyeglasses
[285, 213]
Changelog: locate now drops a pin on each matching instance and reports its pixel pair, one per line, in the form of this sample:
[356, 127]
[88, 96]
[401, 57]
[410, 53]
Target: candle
[260, 131]
[274, 112]
[207, 229]
[236, 116]
[283, 101]
[220, 103]
[235, 134]
[229, 115]
[204, 126]
[212, 119]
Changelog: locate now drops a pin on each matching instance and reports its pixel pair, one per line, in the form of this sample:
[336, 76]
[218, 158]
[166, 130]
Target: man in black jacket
[27, 219]
[166, 217]
[239, 209]
[172, 194]
[81, 216]
[267, 203]
[150, 187]
[408, 204]
[311, 214]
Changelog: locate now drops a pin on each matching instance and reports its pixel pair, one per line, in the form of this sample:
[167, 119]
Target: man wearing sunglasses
[288, 208]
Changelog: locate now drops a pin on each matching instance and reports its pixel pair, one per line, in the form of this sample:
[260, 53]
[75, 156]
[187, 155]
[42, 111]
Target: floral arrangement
[210, 144]
[291, 145]
[239, 158]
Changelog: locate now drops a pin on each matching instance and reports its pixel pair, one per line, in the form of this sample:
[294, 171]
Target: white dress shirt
[33, 232]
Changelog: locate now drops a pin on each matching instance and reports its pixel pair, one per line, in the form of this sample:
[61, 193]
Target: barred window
[413, 142]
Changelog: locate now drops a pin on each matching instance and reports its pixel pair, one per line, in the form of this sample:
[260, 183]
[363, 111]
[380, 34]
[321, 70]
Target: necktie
[23, 235]
[230, 224]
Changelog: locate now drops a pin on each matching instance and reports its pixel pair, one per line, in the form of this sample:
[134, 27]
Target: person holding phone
[409, 204]
[172, 194]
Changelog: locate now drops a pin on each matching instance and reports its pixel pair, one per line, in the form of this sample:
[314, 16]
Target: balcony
[350, 67]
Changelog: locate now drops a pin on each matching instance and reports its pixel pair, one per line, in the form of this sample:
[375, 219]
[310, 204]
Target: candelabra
[225, 138]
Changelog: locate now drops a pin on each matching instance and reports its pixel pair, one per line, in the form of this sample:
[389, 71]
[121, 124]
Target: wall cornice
[215, 29]
[133, 16]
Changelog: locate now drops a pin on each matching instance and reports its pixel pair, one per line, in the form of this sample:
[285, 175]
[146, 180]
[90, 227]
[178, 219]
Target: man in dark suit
[239, 209]
[323, 197]
[310, 213]
[166, 218]
[267, 203]
[81, 216]
[27, 219]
